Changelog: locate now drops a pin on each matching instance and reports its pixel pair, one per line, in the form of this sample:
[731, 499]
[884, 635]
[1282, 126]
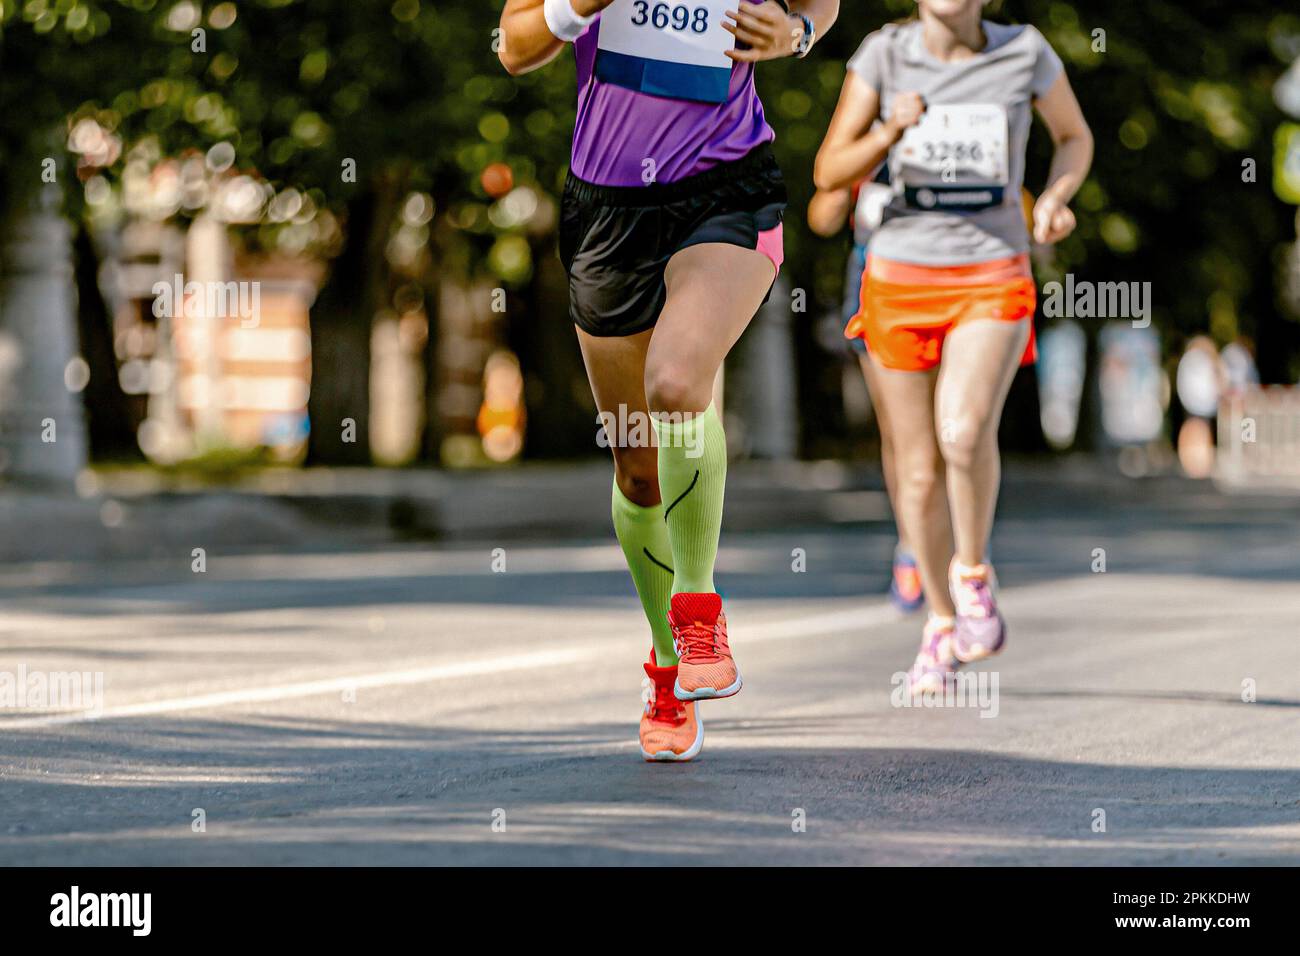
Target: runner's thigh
[714, 290]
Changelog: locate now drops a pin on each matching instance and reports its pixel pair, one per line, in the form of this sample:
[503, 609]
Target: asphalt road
[412, 706]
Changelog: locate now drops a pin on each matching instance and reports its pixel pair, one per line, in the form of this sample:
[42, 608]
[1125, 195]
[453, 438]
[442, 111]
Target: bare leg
[616, 370]
[888, 467]
[714, 290]
[980, 361]
[907, 398]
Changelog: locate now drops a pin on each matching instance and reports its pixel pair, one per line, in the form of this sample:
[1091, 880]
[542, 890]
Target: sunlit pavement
[412, 705]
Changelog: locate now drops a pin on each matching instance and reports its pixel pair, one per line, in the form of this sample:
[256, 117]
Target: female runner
[948, 298]
[671, 236]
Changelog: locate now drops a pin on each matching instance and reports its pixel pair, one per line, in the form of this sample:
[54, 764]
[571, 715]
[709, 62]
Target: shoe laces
[661, 704]
[698, 641]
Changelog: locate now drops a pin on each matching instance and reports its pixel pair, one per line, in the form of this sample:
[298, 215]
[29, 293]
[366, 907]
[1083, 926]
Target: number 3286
[660, 15]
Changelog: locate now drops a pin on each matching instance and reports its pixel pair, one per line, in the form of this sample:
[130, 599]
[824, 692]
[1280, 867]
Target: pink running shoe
[935, 663]
[981, 631]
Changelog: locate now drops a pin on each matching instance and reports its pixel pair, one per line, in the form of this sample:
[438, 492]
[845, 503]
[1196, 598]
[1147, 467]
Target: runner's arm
[853, 149]
[526, 41]
[828, 211]
[1071, 160]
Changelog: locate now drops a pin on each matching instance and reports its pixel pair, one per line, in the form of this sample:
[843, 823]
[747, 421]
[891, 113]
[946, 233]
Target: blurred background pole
[208, 262]
[762, 395]
[42, 425]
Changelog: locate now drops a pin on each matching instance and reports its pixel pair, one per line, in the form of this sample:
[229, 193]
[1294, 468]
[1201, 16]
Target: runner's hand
[905, 110]
[770, 32]
[1053, 220]
[585, 8]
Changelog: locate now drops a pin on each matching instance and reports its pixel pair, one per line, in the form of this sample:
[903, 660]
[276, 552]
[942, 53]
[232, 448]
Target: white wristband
[563, 20]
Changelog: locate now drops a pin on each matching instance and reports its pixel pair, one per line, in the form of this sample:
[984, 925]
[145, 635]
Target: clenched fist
[905, 110]
[1053, 220]
[768, 30]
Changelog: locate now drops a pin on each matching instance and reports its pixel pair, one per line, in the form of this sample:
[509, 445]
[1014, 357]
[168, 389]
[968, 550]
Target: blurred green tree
[412, 95]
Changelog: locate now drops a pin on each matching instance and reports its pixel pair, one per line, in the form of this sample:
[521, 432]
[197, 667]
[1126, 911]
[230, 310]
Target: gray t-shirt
[957, 176]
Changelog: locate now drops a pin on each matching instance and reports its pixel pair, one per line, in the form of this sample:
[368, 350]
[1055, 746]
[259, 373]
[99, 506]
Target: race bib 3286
[956, 157]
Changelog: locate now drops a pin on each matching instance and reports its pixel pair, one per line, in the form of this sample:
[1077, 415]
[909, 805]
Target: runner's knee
[920, 477]
[636, 470]
[671, 388]
[962, 441]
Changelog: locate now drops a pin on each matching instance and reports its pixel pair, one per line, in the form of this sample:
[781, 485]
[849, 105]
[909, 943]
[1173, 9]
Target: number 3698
[662, 15]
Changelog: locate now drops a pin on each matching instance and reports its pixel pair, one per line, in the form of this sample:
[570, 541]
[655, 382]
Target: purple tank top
[619, 129]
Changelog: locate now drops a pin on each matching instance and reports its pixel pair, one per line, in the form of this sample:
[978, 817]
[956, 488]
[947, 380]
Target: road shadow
[1048, 529]
[846, 569]
[1042, 535]
[321, 791]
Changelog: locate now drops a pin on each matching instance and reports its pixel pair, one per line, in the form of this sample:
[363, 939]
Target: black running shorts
[615, 241]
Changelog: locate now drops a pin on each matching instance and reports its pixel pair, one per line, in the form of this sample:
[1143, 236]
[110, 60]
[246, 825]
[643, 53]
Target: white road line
[829, 623]
[334, 685]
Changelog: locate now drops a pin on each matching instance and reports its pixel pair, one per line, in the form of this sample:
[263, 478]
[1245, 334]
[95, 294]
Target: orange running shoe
[670, 728]
[706, 669]
[905, 587]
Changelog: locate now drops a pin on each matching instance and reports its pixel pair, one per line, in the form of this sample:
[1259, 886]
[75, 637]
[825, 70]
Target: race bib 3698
[671, 48]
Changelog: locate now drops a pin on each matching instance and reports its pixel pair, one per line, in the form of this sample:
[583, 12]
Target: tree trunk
[108, 417]
[560, 412]
[341, 319]
[1021, 429]
[434, 432]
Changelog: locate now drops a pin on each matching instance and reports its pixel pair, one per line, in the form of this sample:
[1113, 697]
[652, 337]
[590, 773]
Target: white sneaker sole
[708, 693]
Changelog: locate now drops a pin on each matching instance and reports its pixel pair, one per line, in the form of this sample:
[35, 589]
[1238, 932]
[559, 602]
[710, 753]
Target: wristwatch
[809, 30]
[809, 35]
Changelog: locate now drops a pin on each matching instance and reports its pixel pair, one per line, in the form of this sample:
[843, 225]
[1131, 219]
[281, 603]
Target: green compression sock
[692, 481]
[644, 537]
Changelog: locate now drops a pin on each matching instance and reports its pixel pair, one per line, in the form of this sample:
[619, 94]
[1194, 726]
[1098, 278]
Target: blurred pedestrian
[1199, 383]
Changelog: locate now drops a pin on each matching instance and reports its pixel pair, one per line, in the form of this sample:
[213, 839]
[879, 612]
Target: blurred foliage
[1178, 100]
